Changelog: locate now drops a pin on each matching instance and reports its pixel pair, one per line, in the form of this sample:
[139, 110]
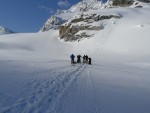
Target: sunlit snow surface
[36, 75]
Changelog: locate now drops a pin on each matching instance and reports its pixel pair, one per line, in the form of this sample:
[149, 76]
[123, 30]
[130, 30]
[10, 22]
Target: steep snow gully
[44, 95]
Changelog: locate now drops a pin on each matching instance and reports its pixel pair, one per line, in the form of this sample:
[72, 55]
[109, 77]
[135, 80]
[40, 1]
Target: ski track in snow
[95, 101]
[44, 95]
[84, 89]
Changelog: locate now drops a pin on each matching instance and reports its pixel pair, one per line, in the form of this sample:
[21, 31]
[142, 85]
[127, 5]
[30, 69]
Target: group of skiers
[85, 58]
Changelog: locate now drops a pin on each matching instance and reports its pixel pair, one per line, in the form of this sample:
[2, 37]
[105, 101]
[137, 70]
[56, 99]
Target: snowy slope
[36, 75]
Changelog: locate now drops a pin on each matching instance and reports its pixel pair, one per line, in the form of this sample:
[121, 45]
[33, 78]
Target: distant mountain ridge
[4, 30]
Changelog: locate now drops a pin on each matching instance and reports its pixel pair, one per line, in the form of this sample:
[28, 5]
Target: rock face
[68, 31]
[4, 30]
[52, 23]
[146, 1]
[122, 2]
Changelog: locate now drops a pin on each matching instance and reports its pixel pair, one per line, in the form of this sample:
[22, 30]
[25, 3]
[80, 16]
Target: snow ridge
[86, 5]
[52, 23]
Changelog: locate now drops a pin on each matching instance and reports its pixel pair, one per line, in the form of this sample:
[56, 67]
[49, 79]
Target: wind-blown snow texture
[36, 75]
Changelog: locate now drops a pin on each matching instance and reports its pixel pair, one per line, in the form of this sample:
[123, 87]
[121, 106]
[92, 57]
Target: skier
[78, 58]
[72, 58]
[90, 61]
[86, 58]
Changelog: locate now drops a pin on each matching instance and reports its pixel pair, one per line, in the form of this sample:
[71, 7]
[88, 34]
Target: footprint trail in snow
[44, 95]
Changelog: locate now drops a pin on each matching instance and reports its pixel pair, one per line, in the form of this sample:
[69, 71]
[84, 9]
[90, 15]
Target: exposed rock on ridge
[52, 23]
[68, 30]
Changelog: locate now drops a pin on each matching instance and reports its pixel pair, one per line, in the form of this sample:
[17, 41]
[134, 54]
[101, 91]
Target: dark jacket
[72, 56]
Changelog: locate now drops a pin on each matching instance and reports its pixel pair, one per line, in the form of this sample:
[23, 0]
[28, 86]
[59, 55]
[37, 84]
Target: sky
[29, 15]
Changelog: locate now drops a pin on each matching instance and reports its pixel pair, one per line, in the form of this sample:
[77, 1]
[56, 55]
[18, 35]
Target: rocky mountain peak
[4, 30]
[52, 23]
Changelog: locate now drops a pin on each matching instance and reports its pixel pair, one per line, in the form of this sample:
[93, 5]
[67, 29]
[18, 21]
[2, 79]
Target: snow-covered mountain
[52, 23]
[75, 28]
[86, 5]
[64, 15]
[4, 30]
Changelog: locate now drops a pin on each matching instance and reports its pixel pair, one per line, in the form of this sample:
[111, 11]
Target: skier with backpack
[72, 58]
[90, 61]
[86, 59]
[78, 58]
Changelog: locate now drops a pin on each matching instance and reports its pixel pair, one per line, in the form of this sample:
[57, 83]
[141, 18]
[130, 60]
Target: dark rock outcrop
[122, 3]
[68, 30]
[146, 1]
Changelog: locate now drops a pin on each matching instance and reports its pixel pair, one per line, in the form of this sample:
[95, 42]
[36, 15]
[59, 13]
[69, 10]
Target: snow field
[36, 75]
